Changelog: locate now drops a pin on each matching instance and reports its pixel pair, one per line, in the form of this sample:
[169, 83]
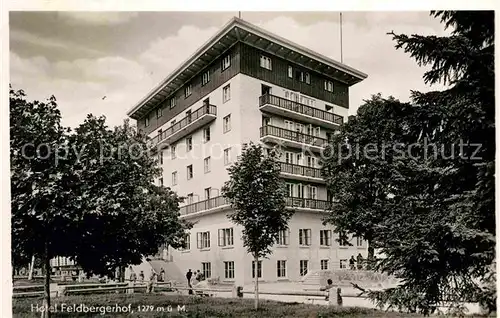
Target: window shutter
[198, 240]
[221, 237]
[208, 238]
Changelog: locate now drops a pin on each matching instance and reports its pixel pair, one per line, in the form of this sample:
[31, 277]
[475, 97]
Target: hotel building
[247, 84]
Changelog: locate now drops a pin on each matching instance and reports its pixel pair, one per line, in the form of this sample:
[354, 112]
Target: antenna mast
[341, 55]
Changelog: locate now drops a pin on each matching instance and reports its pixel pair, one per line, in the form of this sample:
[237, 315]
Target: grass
[152, 305]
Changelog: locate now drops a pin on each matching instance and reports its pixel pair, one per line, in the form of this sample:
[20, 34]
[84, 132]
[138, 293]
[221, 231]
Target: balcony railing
[307, 203]
[186, 121]
[219, 201]
[300, 108]
[296, 136]
[204, 205]
[300, 170]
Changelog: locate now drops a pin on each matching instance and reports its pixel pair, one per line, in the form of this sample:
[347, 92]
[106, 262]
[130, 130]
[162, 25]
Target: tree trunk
[371, 255]
[256, 272]
[46, 312]
[31, 268]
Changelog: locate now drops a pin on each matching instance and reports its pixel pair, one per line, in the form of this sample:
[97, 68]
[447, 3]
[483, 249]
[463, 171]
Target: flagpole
[341, 55]
[239, 14]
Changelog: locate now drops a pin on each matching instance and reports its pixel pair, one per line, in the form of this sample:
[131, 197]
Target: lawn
[156, 305]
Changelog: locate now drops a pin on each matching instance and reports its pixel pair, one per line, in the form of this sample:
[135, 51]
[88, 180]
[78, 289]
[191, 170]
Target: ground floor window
[324, 264]
[281, 268]
[206, 269]
[259, 269]
[229, 270]
[343, 264]
[303, 267]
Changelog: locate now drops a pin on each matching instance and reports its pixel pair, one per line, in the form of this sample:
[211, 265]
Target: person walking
[162, 275]
[360, 261]
[352, 263]
[189, 274]
[141, 276]
[152, 280]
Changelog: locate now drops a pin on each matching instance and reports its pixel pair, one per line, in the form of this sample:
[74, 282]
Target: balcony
[185, 126]
[287, 108]
[290, 138]
[204, 205]
[221, 203]
[298, 172]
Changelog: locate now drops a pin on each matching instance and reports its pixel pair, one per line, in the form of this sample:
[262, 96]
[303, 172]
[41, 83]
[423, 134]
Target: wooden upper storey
[244, 45]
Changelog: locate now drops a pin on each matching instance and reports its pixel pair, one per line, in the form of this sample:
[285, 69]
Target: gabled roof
[239, 30]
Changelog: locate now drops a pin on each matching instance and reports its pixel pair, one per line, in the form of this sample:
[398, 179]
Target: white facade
[231, 262]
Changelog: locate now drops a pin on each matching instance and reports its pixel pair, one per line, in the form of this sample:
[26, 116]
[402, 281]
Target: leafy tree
[87, 195]
[355, 172]
[128, 212]
[257, 194]
[433, 217]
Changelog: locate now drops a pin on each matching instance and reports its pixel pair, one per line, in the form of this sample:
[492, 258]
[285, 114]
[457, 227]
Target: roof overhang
[237, 30]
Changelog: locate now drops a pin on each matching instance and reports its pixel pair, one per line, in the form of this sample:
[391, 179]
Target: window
[284, 237]
[190, 198]
[226, 123]
[328, 86]
[187, 90]
[159, 112]
[343, 264]
[324, 264]
[343, 241]
[226, 62]
[281, 268]
[172, 102]
[203, 240]
[359, 241]
[161, 182]
[146, 121]
[189, 172]
[308, 78]
[173, 122]
[226, 237]
[227, 156]
[207, 193]
[311, 192]
[174, 178]
[226, 93]
[205, 78]
[259, 269]
[206, 134]
[188, 116]
[187, 242]
[290, 71]
[229, 270]
[206, 164]
[329, 108]
[189, 143]
[325, 237]
[172, 152]
[298, 75]
[265, 62]
[303, 267]
[305, 237]
[206, 269]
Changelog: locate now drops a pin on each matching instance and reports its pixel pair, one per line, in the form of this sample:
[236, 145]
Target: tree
[72, 198]
[257, 194]
[357, 175]
[437, 227]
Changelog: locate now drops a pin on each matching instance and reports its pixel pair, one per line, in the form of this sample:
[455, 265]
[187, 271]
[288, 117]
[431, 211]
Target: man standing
[189, 274]
[360, 261]
[352, 262]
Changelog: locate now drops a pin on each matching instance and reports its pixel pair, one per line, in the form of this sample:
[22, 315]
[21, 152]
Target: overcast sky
[103, 63]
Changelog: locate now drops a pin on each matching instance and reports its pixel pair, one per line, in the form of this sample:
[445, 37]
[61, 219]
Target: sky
[104, 62]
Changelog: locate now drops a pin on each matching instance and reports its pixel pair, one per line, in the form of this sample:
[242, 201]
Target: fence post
[339, 297]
